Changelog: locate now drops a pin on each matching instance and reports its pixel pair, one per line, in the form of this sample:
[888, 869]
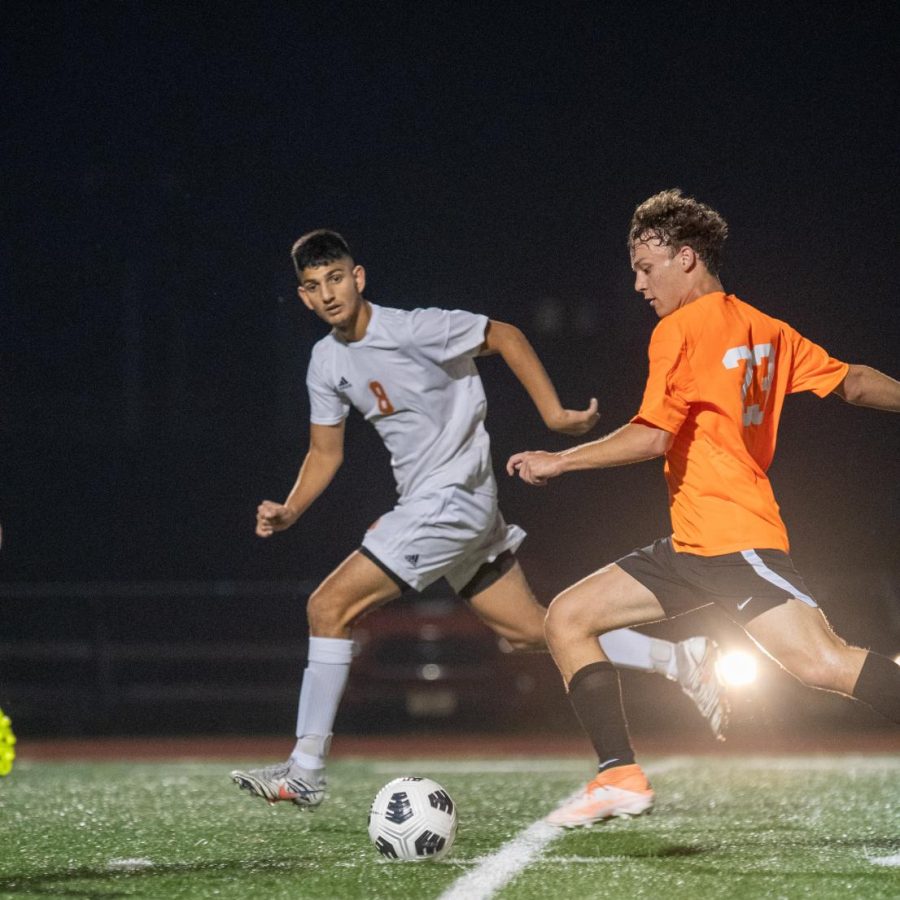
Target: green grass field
[748, 827]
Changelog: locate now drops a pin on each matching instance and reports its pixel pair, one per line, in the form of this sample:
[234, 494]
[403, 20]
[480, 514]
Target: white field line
[498, 869]
[893, 861]
[132, 864]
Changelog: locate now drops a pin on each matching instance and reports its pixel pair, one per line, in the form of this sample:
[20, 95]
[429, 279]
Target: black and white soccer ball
[412, 819]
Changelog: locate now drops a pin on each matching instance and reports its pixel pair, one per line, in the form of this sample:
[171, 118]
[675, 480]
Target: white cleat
[695, 659]
[284, 781]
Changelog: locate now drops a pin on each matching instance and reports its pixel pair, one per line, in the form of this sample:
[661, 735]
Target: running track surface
[436, 744]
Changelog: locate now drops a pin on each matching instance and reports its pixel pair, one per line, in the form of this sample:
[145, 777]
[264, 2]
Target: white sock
[324, 679]
[632, 650]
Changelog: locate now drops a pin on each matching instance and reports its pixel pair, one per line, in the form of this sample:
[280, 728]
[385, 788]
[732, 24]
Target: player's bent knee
[326, 617]
[565, 620]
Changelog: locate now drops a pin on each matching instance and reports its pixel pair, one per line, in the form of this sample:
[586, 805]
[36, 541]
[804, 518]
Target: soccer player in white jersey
[412, 375]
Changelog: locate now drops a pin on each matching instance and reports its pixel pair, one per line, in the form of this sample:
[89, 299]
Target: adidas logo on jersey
[343, 384]
[412, 559]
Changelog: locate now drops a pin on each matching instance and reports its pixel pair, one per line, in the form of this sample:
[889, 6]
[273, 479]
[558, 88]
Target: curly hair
[677, 221]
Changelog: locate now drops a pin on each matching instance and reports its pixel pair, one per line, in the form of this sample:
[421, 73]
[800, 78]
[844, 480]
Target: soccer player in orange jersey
[719, 373]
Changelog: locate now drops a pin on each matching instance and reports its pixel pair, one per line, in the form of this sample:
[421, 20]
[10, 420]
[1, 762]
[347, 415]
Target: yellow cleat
[7, 743]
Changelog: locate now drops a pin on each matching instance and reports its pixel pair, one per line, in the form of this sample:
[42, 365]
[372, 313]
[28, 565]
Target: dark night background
[159, 159]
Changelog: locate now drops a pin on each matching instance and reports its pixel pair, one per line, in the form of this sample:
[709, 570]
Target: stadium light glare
[737, 668]
[897, 659]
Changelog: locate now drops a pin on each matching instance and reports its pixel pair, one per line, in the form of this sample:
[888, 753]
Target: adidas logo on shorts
[343, 384]
[412, 559]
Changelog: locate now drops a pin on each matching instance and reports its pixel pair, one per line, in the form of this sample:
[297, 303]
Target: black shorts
[742, 584]
[487, 574]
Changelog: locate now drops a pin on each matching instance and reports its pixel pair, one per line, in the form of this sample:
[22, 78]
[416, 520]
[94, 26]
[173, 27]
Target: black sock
[596, 695]
[878, 686]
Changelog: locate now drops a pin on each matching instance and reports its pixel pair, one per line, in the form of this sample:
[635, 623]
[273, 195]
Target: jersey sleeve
[812, 369]
[666, 395]
[444, 335]
[326, 405]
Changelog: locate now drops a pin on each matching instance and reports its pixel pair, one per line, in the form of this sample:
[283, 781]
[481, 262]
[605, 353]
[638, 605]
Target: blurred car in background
[432, 658]
[428, 662]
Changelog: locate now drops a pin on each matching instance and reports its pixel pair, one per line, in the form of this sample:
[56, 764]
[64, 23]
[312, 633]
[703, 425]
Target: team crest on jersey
[343, 384]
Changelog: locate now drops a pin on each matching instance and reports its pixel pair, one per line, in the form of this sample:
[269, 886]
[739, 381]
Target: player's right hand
[535, 467]
[272, 517]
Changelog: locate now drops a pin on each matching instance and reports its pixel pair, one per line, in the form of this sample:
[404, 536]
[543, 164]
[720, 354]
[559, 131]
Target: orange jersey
[719, 372]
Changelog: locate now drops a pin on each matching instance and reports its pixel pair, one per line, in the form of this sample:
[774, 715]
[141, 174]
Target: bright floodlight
[897, 659]
[737, 668]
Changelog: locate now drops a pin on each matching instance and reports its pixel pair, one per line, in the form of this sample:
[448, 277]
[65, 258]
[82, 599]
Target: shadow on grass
[59, 884]
[633, 846]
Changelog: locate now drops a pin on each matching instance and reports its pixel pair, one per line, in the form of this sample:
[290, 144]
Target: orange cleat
[620, 791]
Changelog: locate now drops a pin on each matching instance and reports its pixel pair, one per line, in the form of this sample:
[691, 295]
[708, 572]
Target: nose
[640, 281]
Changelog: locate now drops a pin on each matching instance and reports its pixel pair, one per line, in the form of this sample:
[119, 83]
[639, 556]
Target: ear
[359, 276]
[687, 258]
[303, 296]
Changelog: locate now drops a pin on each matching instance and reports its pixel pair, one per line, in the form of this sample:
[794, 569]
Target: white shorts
[448, 533]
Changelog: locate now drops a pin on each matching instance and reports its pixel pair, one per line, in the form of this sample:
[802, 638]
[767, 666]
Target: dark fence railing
[227, 657]
[163, 656]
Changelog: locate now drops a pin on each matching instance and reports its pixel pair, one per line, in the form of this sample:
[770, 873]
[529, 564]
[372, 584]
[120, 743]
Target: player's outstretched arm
[865, 386]
[519, 355]
[630, 444]
[323, 459]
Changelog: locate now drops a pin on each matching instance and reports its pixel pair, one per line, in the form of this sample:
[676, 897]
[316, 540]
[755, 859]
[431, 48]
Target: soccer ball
[412, 819]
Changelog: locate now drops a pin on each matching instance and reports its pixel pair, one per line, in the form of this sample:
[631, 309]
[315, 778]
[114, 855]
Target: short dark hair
[318, 248]
[677, 221]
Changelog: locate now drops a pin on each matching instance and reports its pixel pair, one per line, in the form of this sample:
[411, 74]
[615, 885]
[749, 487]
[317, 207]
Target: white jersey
[413, 376]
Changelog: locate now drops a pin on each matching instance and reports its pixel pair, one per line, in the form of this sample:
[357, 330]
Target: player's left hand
[535, 467]
[576, 421]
